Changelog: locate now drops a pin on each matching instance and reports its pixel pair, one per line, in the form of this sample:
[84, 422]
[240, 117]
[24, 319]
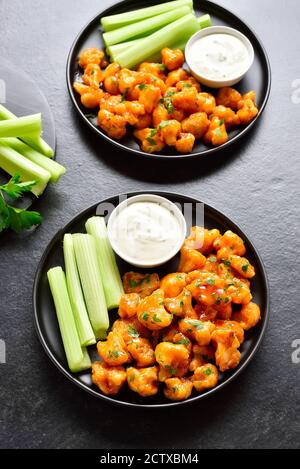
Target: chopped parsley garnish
[113, 354]
[151, 141]
[175, 389]
[145, 316]
[245, 268]
[219, 299]
[221, 122]
[187, 85]
[183, 342]
[208, 372]
[210, 281]
[131, 379]
[164, 124]
[133, 332]
[170, 108]
[181, 304]
[142, 86]
[213, 259]
[16, 219]
[156, 319]
[171, 370]
[227, 263]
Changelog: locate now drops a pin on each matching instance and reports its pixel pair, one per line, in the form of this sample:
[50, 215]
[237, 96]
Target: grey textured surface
[256, 184]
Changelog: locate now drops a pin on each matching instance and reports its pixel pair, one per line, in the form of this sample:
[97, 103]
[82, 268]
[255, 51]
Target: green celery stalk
[12, 162]
[204, 21]
[35, 142]
[115, 50]
[55, 169]
[153, 44]
[86, 363]
[22, 126]
[112, 22]
[148, 25]
[66, 321]
[90, 276]
[84, 328]
[110, 275]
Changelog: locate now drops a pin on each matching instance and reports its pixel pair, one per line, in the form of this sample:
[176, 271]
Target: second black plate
[46, 321]
[258, 78]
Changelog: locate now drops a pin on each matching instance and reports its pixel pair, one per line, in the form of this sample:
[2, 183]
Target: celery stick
[12, 162]
[204, 21]
[155, 42]
[21, 127]
[84, 328]
[117, 21]
[90, 276]
[148, 25]
[55, 169]
[86, 363]
[111, 279]
[35, 142]
[67, 326]
[115, 50]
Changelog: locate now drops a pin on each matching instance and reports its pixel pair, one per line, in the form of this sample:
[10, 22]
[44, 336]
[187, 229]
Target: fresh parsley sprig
[17, 219]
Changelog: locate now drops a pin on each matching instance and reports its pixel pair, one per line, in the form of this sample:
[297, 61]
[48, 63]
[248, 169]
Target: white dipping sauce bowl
[113, 235]
[219, 30]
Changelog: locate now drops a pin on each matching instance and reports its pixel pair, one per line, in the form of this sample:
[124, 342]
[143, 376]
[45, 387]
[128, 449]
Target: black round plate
[258, 78]
[47, 326]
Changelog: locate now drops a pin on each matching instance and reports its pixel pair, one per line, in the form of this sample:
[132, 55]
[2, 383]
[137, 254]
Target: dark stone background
[256, 184]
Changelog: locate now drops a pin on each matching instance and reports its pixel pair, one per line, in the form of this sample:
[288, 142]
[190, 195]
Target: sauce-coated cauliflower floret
[217, 134]
[90, 56]
[128, 305]
[202, 354]
[248, 316]
[113, 350]
[228, 97]
[92, 76]
[141, 351]
[143, 381]
[181, 305]
[230, 118]
[178, 389]
[232, 242]
[227, 354]
[173, 284]
[169, 131]
[205, 377]
[172, 59]
[130, 329]
[150, 139]
[185, 143]
[200, 331]
[90, 97]
[109, 379]
[152, 313]
[156, 69]
[196, 124]
[173, 358]
[143, 284]
[202, 239]
[113, 124]
[190, 259]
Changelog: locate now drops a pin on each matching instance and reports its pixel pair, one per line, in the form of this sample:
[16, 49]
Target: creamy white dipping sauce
[146, 231]
[219, 56]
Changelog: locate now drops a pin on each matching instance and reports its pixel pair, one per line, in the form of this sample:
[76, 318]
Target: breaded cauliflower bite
[178, 389]
[143, 381]
[109, 379]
